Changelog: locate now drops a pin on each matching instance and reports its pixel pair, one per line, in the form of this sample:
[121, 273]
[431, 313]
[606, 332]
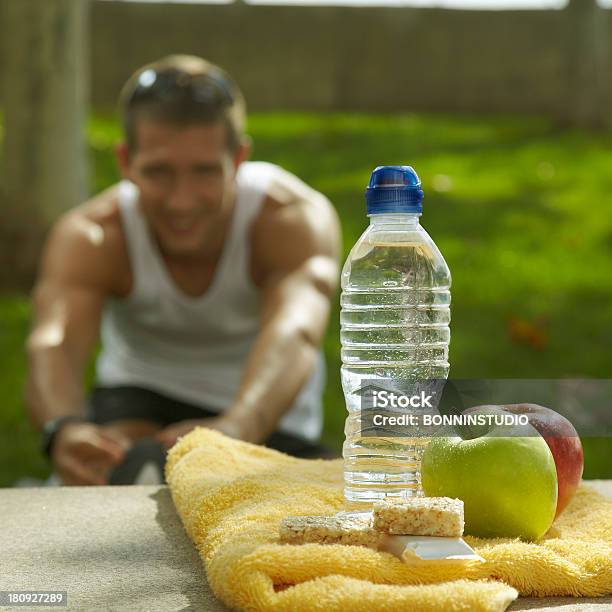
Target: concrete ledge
[124, 548]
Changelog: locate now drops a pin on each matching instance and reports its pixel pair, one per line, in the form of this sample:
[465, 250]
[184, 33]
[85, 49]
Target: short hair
[183, 90]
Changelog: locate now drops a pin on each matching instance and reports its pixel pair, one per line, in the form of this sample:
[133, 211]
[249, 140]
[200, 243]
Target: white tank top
[194, 348]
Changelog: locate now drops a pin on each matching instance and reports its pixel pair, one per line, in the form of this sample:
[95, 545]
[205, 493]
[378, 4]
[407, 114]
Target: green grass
[519, 208]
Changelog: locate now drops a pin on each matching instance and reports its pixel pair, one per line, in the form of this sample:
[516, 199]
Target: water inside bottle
[394, 327]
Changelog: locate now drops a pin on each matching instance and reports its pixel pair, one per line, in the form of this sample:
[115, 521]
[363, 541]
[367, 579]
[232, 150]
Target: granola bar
[426, 516]
[345, 528]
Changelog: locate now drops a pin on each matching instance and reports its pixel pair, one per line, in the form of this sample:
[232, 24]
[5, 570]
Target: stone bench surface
[124, 548]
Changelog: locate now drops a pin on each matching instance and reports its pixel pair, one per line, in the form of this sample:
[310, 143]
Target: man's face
[186, 180]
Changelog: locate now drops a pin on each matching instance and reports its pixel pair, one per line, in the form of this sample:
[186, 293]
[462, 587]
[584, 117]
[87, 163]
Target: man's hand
[172, 433]
[85, 453]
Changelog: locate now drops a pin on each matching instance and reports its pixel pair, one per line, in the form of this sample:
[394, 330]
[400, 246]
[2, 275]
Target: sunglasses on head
[208, 88]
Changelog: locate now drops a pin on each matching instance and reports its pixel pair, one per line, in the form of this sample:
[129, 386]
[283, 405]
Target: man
[207, 277]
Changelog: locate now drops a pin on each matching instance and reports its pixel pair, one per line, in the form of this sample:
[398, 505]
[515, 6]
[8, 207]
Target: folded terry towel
[231, 497]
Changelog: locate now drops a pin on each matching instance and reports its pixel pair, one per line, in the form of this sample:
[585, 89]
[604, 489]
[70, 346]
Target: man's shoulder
[102, 209]
[290, 203]
[277, 184]
[95, 222]
[90, 237]
[295, 221]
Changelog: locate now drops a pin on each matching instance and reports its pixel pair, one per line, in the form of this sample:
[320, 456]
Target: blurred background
[504, 108]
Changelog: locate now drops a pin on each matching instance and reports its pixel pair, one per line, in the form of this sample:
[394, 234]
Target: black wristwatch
[51, 428]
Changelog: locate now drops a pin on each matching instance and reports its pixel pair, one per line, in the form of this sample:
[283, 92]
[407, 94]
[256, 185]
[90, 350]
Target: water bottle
[395, 315]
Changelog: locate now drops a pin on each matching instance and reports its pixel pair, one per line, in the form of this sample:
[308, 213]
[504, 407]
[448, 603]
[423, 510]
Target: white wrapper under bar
[426, 548]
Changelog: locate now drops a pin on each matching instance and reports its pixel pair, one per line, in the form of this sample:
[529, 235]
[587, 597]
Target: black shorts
[108, 404]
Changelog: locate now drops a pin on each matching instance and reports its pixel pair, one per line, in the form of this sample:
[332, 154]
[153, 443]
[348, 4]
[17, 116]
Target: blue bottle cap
[394, 189]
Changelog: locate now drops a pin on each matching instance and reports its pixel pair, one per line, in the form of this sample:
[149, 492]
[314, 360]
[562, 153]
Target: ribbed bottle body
[395, 315]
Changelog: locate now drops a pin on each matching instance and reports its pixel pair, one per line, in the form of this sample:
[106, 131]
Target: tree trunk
[44, 153]
[587, 100]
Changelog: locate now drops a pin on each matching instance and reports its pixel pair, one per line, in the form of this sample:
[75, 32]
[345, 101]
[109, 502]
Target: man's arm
[296, 245]
[67, 310]
[74, 278]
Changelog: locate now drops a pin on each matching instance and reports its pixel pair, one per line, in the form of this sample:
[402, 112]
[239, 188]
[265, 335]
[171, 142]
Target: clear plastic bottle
[395, 319]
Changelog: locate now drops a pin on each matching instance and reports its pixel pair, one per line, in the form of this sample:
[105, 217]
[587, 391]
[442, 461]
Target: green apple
[506, 477]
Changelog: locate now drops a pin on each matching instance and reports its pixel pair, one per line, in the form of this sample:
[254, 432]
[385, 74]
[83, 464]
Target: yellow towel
[231, 497]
